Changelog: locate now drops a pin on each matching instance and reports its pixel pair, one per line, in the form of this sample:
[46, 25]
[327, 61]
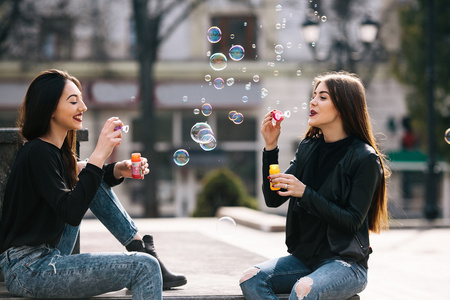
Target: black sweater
[38, 201]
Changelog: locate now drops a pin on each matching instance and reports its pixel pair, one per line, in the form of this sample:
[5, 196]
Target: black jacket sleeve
[271, 197]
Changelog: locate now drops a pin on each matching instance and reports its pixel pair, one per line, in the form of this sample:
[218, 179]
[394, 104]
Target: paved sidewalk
[406, 264]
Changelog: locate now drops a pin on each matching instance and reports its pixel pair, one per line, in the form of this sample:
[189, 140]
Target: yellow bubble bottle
[274, 169]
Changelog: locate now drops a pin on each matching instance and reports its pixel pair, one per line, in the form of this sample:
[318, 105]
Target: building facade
[95, 40]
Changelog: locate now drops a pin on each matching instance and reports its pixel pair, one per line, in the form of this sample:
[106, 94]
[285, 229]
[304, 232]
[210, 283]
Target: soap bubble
[248, 86]
[287, 114]
[196, 111]
[447, 136]
[295, 109]
[185, 98]
[278, 26]
[181, 157]
[278, 7]
[323, 18]
[253, 46]
[304, 105]
[211, 144]
[278, 57]
[226, 226]
[214, 34]
[203, 100]
[206, 109]
[195, 130]
[244, 99]
[207, 77]
[205, 136]
[218, 61]
[208, 53]
[237, 52]
[133, 98]
[238, 118]
[219, 83]
[264, 93]
[276, 73]
[299, 72]
[313, 44]
[288, 45]
[255, 78]
[232, 36]
[279, 49]
[244, 69]
[230, 81]
[231, 114]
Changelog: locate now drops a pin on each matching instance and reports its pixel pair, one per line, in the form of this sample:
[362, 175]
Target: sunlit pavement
[405, 264]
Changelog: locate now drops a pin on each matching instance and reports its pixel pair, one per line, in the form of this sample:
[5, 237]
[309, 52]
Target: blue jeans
[333, 279]
[51, 272]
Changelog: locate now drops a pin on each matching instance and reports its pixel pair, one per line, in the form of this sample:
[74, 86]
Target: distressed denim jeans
[51, 272]
[333, 279]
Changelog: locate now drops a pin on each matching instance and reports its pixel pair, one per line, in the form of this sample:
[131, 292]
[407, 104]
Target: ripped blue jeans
[51, 272]
[333, 279]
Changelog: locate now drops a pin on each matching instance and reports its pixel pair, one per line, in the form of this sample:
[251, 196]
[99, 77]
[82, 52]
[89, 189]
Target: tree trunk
[147, 44]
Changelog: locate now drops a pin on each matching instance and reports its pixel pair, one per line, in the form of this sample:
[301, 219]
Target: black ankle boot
[170, 280]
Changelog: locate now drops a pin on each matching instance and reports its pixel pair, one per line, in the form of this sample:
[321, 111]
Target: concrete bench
[125, 294]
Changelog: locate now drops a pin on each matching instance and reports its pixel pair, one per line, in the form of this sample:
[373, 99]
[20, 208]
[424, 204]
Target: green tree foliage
[410, 67]
[222, 187]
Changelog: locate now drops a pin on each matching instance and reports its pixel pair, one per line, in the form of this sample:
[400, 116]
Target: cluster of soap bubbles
[236, 117]
[218, 61]
[203, 135]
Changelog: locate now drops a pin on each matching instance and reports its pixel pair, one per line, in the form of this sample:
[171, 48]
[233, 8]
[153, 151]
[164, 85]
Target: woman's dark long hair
[38, 106]
[348, 95]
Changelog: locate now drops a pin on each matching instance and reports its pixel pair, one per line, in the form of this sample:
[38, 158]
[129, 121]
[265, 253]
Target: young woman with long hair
[336, 187]
[47, 194]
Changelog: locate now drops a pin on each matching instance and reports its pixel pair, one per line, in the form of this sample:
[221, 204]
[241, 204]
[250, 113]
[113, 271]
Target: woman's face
[69, 112]
[323, 113]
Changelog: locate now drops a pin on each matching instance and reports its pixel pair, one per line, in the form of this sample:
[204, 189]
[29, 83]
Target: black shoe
[170, 280]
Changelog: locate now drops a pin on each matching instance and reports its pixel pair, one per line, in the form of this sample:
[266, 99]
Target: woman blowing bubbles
[336, 191]
[47, 195]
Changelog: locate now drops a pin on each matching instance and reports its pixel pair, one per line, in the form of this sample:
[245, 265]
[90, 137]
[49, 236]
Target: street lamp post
[368, 32]
[431, 210]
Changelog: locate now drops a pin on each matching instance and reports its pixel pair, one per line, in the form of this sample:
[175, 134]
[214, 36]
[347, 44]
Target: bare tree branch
[180, 19]
[7, 21]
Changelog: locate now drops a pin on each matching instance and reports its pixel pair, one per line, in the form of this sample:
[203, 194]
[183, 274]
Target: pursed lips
[312, 113]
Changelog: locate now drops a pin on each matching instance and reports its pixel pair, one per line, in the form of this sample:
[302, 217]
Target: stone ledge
[253, 218]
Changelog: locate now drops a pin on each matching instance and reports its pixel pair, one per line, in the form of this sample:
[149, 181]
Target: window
[56, 38]
[236, 30]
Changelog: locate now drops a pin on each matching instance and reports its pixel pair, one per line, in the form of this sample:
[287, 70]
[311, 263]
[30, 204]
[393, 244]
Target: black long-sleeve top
[38, 201]
[334, 207]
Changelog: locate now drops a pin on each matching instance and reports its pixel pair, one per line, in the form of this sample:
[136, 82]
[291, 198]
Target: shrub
[222, 187]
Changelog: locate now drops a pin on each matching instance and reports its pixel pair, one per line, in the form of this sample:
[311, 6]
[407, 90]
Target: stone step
[126, 294]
